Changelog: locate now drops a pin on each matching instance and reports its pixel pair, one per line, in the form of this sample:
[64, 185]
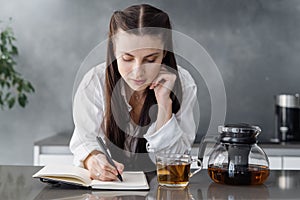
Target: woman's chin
[139, 88]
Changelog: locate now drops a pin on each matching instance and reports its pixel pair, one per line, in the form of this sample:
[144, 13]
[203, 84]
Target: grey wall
[255, 44]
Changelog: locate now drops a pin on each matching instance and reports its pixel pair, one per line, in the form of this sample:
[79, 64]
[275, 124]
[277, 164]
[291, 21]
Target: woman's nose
[139, 68]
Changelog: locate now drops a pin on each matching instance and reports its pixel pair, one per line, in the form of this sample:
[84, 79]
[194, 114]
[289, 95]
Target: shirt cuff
[81, 154]
[166, 136]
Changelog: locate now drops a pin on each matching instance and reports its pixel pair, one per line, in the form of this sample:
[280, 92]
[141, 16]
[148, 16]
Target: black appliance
[287, 117]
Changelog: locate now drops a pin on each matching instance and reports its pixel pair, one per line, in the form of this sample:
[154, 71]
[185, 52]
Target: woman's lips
[138, 82]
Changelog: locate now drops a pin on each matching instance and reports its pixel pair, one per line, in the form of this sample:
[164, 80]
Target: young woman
[140, 102]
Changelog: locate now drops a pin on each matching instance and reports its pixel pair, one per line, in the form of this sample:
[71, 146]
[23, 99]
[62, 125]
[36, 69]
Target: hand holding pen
[100, 168]
[108, 157]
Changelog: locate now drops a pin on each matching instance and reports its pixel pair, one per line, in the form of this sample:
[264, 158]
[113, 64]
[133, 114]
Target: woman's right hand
[100, 168]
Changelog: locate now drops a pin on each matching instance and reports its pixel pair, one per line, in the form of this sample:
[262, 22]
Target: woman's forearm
[164, 113]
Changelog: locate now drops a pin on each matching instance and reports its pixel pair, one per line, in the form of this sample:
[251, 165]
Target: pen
[104, 149]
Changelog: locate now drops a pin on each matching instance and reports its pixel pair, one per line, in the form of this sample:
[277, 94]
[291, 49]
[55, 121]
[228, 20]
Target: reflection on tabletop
[53, 193]
[159, 193]
[221, 191]
[116, 195]
[169, 193]
[16, 179]
[287, 180]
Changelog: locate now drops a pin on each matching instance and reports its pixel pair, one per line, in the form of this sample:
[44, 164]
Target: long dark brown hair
[116, 117]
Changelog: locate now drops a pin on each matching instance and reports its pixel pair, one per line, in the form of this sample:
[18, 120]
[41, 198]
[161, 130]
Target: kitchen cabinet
[291, 162]
[55, 149]
[275, 162]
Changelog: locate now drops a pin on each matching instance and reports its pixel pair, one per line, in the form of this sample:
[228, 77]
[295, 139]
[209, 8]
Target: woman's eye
[151, 60]
[126, 58]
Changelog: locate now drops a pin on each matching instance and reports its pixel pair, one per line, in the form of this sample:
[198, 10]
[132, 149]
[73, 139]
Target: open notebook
[78, 176]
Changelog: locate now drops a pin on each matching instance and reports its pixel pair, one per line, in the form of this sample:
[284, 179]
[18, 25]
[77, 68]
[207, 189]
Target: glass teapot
[236, 159]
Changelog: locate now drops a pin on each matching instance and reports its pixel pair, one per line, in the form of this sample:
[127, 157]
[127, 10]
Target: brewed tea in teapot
[236, 159]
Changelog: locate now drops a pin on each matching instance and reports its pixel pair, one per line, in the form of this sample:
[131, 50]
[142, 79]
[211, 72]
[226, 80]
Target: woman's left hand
[163, 85]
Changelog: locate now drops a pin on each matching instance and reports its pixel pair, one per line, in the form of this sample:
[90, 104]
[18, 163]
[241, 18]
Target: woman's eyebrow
[128, 54]
[152, 54]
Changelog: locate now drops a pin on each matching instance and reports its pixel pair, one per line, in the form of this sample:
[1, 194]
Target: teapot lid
[239, 133]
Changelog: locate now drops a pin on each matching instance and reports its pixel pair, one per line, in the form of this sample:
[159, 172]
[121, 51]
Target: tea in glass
[174, 169]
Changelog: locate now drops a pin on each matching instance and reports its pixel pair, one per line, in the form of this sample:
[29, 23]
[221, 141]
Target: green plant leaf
[14, 50]
[11, 81]
[2, 82]
[7, 96]
[8, 85]
[27, 87]
[11, 102]
[31, 87]
[20, 86]
[22, 99]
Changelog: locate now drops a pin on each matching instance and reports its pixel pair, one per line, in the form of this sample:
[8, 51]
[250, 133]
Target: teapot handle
[205, 140]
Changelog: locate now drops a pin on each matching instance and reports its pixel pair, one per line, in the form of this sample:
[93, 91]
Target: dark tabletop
[16, 183]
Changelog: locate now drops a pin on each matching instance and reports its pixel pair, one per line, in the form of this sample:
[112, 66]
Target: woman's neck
[136, 100]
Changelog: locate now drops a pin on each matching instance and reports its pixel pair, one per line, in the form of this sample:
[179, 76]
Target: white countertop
[60, 144]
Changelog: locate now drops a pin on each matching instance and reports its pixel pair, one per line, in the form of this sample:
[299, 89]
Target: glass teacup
[174, 170]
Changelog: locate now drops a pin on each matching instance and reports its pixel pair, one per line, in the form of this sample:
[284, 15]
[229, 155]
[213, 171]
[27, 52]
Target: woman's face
[139, 59]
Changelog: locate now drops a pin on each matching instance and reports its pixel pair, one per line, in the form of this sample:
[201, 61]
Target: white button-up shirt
[177, 135]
